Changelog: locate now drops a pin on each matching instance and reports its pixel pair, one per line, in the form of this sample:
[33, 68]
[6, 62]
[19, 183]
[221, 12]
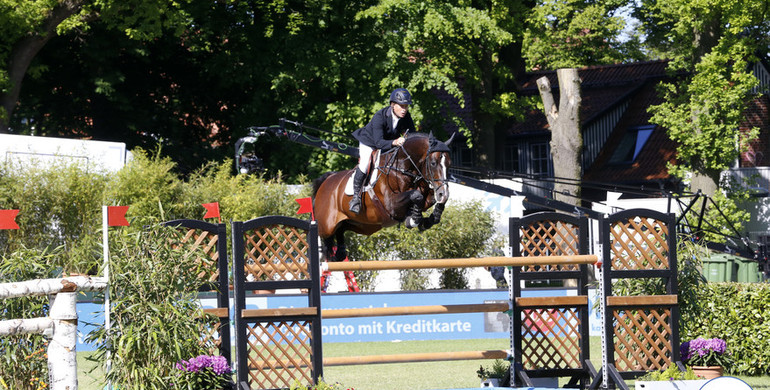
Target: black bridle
[419, 176]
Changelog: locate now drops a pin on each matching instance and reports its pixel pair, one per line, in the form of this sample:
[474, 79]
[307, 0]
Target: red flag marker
[8, 219]
[212, 210]
[116, 215]
[306, 206]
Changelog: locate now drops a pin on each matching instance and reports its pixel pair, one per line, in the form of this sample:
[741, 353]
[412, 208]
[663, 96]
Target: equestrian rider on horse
[385, 131]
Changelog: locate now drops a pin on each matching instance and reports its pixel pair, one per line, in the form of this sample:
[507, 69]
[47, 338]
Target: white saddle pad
[367, 185]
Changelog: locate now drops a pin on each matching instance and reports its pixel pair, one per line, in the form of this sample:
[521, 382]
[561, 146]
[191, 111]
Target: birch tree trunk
[62, 352]
[566, 139]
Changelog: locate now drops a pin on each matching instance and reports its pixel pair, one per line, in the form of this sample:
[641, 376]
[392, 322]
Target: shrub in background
[59, 206]
[149, 185]
[738, 314]
[466, 230]
[156, 319]
[240, 197]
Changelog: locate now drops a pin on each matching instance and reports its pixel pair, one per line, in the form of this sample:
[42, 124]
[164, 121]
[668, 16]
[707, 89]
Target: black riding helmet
[401, 96]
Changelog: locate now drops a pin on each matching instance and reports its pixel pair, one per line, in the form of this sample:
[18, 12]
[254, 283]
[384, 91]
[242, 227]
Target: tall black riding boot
[358, 182]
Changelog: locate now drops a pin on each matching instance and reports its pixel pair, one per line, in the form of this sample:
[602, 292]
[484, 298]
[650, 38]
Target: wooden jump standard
[494, 261]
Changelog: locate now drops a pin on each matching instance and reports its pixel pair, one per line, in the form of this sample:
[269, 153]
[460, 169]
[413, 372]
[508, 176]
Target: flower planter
[491, 382]
[708, 372]
[670, 385]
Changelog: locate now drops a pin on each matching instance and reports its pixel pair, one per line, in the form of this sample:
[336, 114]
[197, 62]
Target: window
[632, 143]
[461, 156]
[510, 158]
[540, 158]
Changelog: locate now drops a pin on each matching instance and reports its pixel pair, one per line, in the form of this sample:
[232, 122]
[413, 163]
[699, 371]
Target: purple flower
[218, 364]
[703, 351]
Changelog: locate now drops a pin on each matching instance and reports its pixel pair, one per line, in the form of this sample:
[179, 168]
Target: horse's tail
[317, 182]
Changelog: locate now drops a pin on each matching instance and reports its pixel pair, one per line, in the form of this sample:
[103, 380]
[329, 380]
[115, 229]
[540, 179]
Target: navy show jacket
[379, 132]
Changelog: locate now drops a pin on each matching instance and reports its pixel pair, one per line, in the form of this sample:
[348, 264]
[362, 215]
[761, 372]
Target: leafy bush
[672, 373]
[466, 230]
[153, 290]
[59, 206]
[240, 197]
[23, 363]
[736, 313]
[149, 185]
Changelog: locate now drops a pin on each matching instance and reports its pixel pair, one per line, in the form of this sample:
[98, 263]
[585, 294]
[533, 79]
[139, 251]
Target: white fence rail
[60, 326]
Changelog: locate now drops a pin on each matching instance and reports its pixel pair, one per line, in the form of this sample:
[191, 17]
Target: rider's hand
[398, 141]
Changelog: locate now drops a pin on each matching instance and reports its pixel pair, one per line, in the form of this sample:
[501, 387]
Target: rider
[385, 131]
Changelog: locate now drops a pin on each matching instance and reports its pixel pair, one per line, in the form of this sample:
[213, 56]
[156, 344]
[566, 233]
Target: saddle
[371, 174]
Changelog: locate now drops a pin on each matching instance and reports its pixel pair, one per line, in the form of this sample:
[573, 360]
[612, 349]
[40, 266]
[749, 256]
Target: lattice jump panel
[210, 328]
[280, 353]
[639, 243]
[551, 338]
[642, 338]
[203, 245]
[549, 238]
[276, 252]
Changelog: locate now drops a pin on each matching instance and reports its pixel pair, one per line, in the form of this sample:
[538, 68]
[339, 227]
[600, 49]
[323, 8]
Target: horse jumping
[409, 180]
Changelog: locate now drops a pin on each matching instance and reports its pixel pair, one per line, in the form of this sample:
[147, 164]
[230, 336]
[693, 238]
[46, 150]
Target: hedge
[737, 313]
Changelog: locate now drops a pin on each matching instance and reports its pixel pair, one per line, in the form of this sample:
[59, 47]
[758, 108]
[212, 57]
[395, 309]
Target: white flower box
[670, 385]
[491, 382]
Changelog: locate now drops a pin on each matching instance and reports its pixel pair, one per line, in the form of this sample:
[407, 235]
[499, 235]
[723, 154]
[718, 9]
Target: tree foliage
[578, 33]
[716, 43]
[29, 25]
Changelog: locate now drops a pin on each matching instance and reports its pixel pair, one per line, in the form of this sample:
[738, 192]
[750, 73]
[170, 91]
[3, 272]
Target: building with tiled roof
[621, 146]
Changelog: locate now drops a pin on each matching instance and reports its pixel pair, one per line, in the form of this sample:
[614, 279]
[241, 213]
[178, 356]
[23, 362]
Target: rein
[416, 177]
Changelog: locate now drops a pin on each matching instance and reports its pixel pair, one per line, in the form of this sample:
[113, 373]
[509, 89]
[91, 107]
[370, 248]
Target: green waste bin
[718, 268]
[747, 270]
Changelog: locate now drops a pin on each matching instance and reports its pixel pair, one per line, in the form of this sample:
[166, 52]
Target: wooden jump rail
[459, 263]
[415, 310]
[416, 357]
[379, 311]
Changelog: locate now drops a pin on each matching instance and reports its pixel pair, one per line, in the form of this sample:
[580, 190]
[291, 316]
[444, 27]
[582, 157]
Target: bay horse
[407, 181]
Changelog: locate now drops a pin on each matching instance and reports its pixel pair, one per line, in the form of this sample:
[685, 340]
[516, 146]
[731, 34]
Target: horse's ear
[449, 141]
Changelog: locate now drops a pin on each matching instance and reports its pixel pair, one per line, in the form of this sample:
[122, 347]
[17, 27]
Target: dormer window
[631, 145]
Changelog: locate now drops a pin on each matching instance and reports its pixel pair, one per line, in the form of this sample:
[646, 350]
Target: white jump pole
[106, 267]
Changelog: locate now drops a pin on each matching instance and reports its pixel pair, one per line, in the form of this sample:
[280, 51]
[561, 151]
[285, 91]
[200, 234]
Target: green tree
[578, 33]
[439, 45]
[475, 50]
[714, 43]
[29, 25]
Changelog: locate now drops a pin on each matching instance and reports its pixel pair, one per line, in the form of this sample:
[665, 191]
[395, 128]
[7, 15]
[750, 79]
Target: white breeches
[364, 155]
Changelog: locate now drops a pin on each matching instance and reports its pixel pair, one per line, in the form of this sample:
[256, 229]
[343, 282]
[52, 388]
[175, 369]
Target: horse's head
[432, 161]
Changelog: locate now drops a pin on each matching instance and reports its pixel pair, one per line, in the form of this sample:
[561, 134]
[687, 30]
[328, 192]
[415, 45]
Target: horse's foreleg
[414, 215]
[433, 218]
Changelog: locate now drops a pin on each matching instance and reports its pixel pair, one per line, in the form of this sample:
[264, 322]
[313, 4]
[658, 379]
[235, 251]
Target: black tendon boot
[358, 181]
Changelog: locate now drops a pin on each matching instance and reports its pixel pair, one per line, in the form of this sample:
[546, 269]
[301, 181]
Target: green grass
[400, 376]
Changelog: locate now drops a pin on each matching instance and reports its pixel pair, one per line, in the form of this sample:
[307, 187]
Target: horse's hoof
[411, 222]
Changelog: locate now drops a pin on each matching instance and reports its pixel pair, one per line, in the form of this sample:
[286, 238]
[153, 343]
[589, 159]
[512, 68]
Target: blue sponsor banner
[389, 328]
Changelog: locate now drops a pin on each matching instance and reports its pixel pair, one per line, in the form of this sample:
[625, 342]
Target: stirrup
[355, 204]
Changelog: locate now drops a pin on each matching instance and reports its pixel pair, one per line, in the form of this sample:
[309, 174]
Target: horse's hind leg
[328, 249]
